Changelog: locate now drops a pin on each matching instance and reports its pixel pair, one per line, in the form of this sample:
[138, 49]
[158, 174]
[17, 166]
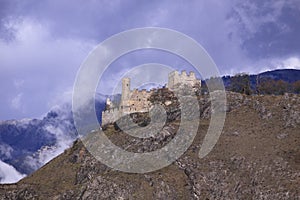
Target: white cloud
[36, 48]
[292, 62]
[16, 101]
[64, 138]
[251, 19]
[60, 97]
[47, 65]
[18, 83]
[288, 63]
[8, 174]
[5, 151]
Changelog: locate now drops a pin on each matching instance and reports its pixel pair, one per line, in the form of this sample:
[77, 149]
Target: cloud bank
[8, 174]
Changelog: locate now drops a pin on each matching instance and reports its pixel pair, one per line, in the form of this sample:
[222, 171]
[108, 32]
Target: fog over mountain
[28, 144]
[8, 174]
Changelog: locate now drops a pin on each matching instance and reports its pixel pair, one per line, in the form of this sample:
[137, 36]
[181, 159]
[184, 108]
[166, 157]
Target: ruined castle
[138, 100]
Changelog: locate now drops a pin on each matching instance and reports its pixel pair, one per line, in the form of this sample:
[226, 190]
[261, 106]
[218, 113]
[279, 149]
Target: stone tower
[125, 92]
[173, 79]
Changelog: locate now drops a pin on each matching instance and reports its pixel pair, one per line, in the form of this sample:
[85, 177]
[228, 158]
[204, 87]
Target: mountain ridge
[249, 160]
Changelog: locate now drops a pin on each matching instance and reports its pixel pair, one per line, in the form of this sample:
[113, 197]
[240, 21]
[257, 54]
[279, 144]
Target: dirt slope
[256, 157]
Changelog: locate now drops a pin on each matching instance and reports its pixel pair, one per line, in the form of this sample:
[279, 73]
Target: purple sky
[42, 43]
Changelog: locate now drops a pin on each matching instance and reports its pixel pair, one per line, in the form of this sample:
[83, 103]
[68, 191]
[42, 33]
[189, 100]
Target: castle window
[127, 84]
[139, 99]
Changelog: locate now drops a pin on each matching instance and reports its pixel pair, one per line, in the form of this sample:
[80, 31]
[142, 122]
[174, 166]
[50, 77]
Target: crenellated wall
[175, 79]
[137, 100]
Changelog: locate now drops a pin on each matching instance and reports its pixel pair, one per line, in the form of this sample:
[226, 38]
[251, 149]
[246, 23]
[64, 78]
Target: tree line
[246, 84]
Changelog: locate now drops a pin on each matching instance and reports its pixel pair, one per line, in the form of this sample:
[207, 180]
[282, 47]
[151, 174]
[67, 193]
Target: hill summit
[256, 157]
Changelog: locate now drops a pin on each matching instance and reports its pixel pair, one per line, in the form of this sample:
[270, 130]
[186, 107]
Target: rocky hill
[256, 157]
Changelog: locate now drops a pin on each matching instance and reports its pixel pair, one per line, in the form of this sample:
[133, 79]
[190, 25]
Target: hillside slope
[256, 157]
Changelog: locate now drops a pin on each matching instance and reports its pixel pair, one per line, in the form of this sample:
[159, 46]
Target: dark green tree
[240, 83]
[296, 87]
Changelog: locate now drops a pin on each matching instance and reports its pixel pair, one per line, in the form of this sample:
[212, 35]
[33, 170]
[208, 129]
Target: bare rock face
[256, 157]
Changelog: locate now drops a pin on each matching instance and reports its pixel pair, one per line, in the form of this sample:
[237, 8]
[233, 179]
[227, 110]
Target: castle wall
[137, 100]
[110, 116]
[176, 79]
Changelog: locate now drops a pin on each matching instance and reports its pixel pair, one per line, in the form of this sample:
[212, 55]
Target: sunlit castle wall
[175, 79]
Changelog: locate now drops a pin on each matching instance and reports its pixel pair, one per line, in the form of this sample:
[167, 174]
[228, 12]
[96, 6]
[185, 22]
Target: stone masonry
[138, 100]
